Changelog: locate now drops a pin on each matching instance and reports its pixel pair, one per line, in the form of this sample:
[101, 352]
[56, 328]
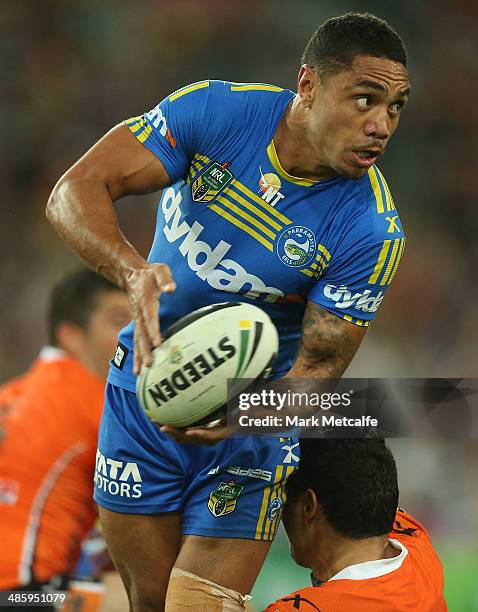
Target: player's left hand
[207, 436]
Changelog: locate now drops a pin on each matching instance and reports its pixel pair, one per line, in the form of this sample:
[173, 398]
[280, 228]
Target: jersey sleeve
[355, 284]
[173, 129]
[364, 261]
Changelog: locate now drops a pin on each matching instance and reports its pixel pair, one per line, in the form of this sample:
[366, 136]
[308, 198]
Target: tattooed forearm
[327, 345]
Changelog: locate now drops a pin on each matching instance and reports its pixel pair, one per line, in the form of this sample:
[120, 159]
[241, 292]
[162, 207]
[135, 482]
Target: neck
[297, 153]
[338, 552]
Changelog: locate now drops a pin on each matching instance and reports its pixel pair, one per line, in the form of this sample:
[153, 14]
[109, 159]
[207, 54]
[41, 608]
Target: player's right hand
[144, 287]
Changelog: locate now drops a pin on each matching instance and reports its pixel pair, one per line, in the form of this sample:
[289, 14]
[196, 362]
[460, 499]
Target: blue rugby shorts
[234, 489]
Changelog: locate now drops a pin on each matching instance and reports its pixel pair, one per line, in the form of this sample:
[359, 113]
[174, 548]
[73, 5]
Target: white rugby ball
[187, 380]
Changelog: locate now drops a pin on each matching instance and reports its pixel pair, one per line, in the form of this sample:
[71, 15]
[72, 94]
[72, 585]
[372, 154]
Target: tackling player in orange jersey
[49, 436]
[342, 522]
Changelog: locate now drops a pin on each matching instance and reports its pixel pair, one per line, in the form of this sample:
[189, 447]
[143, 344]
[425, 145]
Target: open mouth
[365, 158]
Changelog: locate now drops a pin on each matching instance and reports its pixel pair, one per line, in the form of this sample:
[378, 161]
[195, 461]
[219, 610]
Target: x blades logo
[291, 456]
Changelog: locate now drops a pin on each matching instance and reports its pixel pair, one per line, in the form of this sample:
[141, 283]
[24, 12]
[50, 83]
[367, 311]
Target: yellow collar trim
[273, 158]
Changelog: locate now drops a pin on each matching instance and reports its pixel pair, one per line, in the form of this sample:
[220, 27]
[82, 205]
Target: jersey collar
[274, 159]
[52, 353]
[370, 569]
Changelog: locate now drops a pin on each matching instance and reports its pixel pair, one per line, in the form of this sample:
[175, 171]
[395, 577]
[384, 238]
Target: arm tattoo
[327, 345]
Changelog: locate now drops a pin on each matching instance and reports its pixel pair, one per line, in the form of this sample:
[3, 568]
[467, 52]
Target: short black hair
[354, 480]
[74, 299]
[338, 41]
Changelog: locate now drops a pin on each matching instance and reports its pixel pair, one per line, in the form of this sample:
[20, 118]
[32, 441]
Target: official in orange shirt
[49, 437]
[342, 521]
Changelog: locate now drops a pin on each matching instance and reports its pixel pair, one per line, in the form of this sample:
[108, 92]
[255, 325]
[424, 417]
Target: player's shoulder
[422, 557]
[371, 214]
[305, 599]
[230, 99]
[409, 531]
[381, 220]
[220, 92]
[55, 373]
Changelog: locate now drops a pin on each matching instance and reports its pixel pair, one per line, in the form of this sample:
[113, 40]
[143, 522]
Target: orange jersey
[10, 393]
[414, 580]
[47, 457]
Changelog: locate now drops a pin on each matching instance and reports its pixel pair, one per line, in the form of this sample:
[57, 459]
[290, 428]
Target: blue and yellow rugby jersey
[234, 226]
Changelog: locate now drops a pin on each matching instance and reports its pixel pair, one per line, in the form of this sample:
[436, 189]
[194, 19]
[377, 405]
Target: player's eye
[396, 107]
[363, 102]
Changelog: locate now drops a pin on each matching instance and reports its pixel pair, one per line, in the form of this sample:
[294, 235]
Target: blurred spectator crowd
[71, 70]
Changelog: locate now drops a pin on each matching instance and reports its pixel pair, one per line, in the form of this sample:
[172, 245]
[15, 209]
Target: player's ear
[311, 505]
[70, 338]
[307, 84]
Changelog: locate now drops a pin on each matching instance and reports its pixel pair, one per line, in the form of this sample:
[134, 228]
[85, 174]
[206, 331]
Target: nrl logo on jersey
[211, 182]
[223, 500]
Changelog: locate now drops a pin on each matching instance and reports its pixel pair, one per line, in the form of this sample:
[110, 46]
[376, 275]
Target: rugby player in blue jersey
[270, 197]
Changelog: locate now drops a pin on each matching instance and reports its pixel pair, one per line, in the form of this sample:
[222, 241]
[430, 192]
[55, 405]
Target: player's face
[354, 113]
[99, 339]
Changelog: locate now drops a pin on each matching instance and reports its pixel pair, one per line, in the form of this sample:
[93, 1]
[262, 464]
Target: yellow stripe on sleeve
[188, 89]
[376, 189]
[362, 323]
[397, 261]
[133, 120]
[388, 193]
[391, 261]
[322, 261]
[145, 133]
[359, 322]
[324, 251]
[382, 258]
[308, 272]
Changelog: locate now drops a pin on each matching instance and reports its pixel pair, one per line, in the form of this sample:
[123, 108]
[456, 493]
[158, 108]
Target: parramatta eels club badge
[211, 182]
[223, 500]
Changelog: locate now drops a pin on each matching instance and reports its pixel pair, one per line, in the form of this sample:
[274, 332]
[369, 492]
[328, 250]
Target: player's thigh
[230, 562]
[144, 549]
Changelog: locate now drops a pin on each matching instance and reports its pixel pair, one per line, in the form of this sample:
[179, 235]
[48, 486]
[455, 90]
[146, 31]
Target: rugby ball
[187, 380]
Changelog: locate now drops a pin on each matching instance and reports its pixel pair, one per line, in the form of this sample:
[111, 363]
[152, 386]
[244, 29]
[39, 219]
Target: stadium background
[73, 69]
